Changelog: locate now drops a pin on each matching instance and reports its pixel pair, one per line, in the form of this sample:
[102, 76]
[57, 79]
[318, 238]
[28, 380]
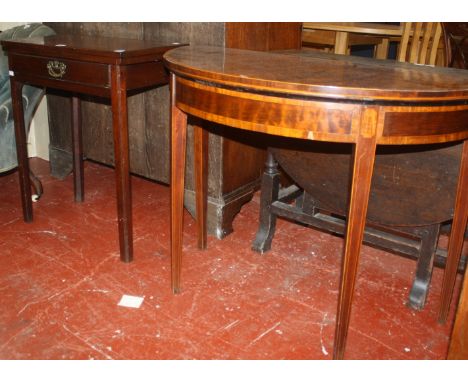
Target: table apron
[295, 118]
[81, 76]
[422, 124]
[319, 120]
[58, 69]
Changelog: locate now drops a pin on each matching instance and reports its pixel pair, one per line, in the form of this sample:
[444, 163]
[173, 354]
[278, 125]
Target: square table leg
[21, 148]
[77, 142]
[178, 152]
[363, 164]
[200, 138]
[121, 157]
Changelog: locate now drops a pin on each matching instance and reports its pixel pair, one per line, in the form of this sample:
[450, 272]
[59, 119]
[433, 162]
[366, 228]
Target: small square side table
[103, 67]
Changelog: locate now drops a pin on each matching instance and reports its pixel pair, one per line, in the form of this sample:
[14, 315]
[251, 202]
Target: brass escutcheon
[56, 69]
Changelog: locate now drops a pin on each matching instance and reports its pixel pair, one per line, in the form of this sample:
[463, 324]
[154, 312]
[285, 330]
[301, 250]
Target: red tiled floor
[61, 280]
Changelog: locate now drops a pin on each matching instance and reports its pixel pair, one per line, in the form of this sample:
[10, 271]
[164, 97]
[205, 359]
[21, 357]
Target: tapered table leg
[178, 151]
[21, 148]
[363, 163]
[456, 236]
[122, 166]
[200, 137]
[78, 174]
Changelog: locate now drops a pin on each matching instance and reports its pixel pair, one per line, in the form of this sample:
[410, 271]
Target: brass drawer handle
[56, 69]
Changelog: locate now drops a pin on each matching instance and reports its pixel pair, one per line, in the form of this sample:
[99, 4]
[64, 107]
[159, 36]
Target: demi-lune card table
[321, 97]
[96, 66]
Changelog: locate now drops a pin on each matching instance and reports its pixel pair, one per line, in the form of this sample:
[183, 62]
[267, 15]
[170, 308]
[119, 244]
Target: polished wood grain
[98, 66]
[318, 98]
[101, 50]
[324, 75]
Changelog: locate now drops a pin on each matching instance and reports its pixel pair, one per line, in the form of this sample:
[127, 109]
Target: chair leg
[268, 195]
[36, 185]
[422, 278]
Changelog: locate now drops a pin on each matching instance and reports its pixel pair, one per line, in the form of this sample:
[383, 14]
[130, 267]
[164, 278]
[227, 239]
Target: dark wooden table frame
[103, 67]
[371, 103]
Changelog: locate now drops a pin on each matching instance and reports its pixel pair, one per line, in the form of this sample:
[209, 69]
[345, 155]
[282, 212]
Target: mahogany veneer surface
[323, 75]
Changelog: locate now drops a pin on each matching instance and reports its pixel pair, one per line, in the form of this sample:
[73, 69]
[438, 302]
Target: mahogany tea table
[319, 98]
[96, 66]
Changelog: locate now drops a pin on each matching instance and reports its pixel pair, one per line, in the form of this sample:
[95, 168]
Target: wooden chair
[420, 43]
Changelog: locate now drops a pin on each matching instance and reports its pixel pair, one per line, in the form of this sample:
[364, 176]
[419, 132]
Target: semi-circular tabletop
[322, 95]
[320, 75]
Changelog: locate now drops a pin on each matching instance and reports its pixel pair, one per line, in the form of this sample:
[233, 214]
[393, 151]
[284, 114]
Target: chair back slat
[419, 43]
[425, 42]
[437, 37]
[414, 45]
[402, 50]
